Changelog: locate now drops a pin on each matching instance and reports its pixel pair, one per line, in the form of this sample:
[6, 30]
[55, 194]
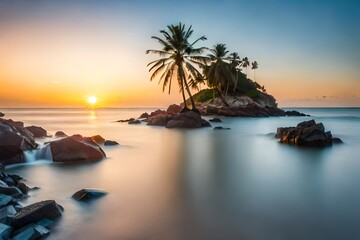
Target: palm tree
[178, 57]
[219, 73]
[254, 65]
[245, 63]
[235, 62]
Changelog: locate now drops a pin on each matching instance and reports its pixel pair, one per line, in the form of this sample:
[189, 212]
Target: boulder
[5, 231]
[60, 134]
[32, 213]
[307, 133]
[144, 115]
[6, 214]
[31, 231]
[10, 122]
[88, 194]
[5, 200]
[294, 113]
[126, 120]
[211, 110]
[76, 149]
[185, 120]
[13, 141]
[174, 109]
[1, 114]
[205, 123]
[157, 112]
[221, 128]
[38, 132]
[134, 122]
[216, 119]
[158, 120]
[337, 140]
[98, 139]
[110, 143]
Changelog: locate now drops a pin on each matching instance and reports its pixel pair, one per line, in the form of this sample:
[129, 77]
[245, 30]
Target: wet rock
[126, 120]
[11, 191]
[60, 134]
[135, 122]
[110, 143]
[76, 149]
[12, 123]
[38, 132]
[174, 109]
[6, 214]
[211, 110]
[98, 139]
[294, 113]
[5, 200]
[185, 120]
[88, 194]
[157, 112]
[1, 114]
[307, 133]
[205, 123]
[158, 120]
[23, 188]
[32, 213]
[337, 140]
[30, 232]
[5, 231]
[221, 128]
[216, 119]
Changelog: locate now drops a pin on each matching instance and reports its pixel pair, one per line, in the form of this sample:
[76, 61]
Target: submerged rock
[307, 133]
[38, 132]
[76, 149]
[216, 119]
[32, 213]
[221, 128]
[134, 122]
[294, 113]
[126, 120]
[88, 194]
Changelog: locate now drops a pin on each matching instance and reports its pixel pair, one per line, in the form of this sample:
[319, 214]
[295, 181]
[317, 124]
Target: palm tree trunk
[222, 97]
[191, 97]
[185, 109]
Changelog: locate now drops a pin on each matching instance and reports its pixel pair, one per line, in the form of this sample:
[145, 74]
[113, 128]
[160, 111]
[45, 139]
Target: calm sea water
[202, 184]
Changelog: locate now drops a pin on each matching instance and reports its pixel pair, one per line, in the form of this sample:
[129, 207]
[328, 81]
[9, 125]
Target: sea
[177, 184]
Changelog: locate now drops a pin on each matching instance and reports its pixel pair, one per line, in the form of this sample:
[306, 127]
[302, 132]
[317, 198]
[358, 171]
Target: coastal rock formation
[110, 143]
[32, 213]
[98, 139]
[174, 109]
[134, 122]
[1, 114]
[126, 120]
[308, 133]
[76, 149]
[144, 115]
[188, 119]
[38, 132]
[215, 120]
[14, 139]
[158, 120]
[294, 113]
[88, 194]
[60, 134]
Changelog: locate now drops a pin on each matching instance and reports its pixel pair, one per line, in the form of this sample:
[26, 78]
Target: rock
[205, 123]
[185, 120]
[35, 212]
[11, 191]
[1, 114]
[38, 132]
[211, 110]
[88, 194]
[126, 120]
[157, 112]
[144, 115]
[307, 133]
[6, 214]
[174, 109]
[45, 222]
[30, 232]
[158, 120]
[221, 128]
[294, 113]
[216, 119]
[98, 139]
[5, 231]
[13, 141]
[76, 149]
[135, 122]
[60, 134]
[337, 140]
[5, 200]
[23, 188]
[110, 143]
[12, 123]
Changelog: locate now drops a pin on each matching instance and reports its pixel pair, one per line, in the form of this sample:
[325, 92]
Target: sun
[92, 100]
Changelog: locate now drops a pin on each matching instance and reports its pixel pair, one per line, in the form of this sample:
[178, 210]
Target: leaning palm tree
[254, 65]
[219, 73]
[178, 59]
[245, 63]
[235, 62]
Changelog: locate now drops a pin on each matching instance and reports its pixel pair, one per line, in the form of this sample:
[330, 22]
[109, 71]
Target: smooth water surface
[202, 184]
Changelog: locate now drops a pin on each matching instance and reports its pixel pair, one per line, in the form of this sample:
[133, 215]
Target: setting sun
[92, 100]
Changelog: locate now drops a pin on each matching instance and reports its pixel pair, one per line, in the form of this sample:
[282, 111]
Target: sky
[58, 53]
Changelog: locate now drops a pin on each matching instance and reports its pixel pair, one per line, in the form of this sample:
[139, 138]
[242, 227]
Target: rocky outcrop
[294, 113]
[98, 139]
[159, 120]
[110, 143]
[14, 139]
[144, 115]
[308, 133]
[174, 109]
[188, 119]
[76, 149]
[87, 194]
[215, 120]
[134, 122]
[1, 114]
[38, 132]
[60, 134]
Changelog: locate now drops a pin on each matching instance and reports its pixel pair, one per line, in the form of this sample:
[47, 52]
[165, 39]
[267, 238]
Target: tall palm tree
[178, 59]
[235, 62]
[219, 73]
[254, 65]
[245, 63]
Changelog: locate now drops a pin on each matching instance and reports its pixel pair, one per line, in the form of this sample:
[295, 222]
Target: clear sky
[57, 53]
